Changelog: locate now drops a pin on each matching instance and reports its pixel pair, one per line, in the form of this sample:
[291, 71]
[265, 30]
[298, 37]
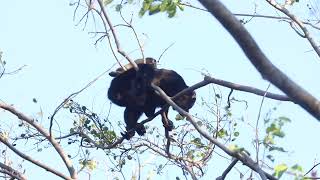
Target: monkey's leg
[165, 120]
[131, 117]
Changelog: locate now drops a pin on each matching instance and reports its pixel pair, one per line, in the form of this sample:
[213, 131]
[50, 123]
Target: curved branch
[259, 60]
[28, 158]
[41, 130]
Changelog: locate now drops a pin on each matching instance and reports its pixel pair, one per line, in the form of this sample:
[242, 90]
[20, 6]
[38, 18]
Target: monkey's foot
[140, 129]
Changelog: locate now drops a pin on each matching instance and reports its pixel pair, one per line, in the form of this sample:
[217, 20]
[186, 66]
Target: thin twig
[256, 15]
[257, 125]
[116, 41]
[311, 169]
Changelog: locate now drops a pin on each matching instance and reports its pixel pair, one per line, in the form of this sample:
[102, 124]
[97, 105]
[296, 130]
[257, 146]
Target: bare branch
[106, 17]
[247, 89]
[260, 61]
[225, 173]
[311, 169]
[256, 15]
[12, 172]
[28, 158]
[41, 130]
[298, 22]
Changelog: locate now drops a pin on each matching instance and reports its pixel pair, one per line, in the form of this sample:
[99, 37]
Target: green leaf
[270, 157]
[279, 170]
[268, 140]
[118, 7]
[221, 133]
[275, 148]
[106, 2]
[180, 6]
[154, 9]
[271, 128]
[296, 167]
[164, 5]
[179, 117]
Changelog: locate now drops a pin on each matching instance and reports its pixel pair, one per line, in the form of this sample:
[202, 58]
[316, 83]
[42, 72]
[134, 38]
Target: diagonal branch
[259, 59]
[245, 159]
[28, 158]
[41, 130]
[12, 172]
[225, 173]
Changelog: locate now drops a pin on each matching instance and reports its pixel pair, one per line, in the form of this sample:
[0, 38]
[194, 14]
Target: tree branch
[28, 158]
[245, 159]
[225, 173]
[41, 130]
[259, 60]
[255, 15]
[12, 172]
[298, 22]
[119, 49]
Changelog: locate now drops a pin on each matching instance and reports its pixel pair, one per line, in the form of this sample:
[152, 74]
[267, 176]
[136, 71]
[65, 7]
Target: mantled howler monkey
[132, 89]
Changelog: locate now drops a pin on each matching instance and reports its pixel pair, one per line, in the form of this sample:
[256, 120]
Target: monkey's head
[128, 66]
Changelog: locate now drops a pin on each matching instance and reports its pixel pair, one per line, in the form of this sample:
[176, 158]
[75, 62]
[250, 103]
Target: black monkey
[133, 90]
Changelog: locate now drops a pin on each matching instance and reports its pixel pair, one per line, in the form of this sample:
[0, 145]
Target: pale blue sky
[61, 59]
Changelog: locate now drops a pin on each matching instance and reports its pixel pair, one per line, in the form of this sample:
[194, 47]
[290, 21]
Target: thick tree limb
[247, 89]
[41, 130]
[259, 60]
[243, 157]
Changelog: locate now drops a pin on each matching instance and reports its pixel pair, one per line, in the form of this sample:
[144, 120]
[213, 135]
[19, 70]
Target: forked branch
[41, 130]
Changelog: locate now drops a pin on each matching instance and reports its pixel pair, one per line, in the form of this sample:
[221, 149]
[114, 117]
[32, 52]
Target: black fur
[133, 90]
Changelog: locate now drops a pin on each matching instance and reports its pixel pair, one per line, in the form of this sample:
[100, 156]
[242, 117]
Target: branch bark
[259, 60]
[41, 130]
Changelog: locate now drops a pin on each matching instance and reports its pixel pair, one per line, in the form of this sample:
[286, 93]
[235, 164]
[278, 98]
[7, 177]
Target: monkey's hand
[170, 125]
[128, 135]
[140, 129]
